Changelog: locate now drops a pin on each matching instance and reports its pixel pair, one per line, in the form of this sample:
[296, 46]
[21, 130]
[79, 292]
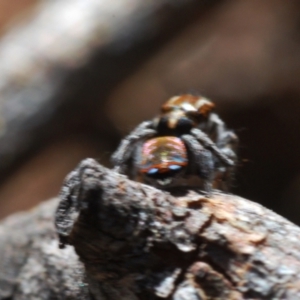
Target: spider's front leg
[124, 152]
[224, 149]
[225, 140]
[228, 144]
[201, 160]
[204, 139]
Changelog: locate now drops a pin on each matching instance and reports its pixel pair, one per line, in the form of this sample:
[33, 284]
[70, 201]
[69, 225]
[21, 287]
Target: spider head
[181, 113]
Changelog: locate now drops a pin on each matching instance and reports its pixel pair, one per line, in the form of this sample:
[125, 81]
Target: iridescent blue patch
[174, 167]
[152, 171]
[178, 159]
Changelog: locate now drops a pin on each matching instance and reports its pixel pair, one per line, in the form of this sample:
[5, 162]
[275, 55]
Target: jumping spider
[186, 139]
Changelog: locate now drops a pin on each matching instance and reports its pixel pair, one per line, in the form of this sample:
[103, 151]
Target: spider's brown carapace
[181, 113]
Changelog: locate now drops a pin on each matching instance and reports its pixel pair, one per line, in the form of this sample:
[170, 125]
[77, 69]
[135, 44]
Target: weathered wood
[31, 265]
[137, 242]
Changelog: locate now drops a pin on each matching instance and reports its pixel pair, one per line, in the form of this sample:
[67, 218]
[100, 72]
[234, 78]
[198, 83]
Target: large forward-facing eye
[184, 125]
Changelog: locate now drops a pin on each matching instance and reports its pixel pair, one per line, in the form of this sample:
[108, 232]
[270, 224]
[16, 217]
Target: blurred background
[77, 75]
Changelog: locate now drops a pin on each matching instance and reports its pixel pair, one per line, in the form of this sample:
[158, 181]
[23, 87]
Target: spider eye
[174, 167]
[184, 124]
[152, 171]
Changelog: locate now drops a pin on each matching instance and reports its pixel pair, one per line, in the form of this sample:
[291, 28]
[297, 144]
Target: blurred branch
[68, 52]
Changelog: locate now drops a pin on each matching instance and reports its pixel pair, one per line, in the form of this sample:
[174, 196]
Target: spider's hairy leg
[229, 144]
[136, 161]
[123, 153]
[202, 159]
[226, 140]
[203, 139]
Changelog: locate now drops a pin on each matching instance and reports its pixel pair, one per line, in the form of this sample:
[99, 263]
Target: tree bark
[136, 242]
[32, 267]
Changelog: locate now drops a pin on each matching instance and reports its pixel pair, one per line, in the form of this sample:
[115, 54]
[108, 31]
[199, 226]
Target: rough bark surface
[31, 264]
[137, 242]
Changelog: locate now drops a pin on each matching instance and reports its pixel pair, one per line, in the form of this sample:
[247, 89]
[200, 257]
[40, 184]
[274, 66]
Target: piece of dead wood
[137, 242]
[31, 265]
